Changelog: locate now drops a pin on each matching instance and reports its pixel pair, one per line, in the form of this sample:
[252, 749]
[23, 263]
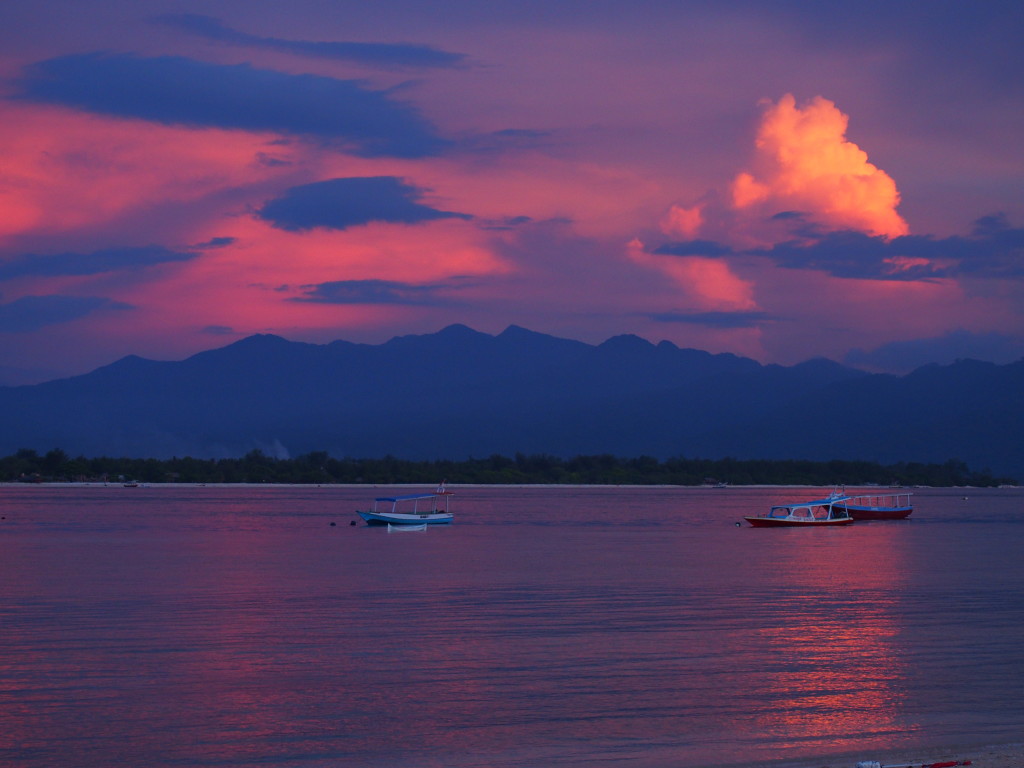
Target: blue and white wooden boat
[411, 509]
[829, 511]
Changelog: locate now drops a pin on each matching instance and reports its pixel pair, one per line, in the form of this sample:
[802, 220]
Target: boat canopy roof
[409, 497]
[818, 503]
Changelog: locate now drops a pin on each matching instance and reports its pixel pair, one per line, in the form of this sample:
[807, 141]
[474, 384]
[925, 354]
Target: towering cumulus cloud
[805, 163]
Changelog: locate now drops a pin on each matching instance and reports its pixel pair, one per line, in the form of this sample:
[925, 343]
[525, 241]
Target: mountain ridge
[460, 393]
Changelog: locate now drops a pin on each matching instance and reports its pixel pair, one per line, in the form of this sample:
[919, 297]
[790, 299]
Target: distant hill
[459, 393]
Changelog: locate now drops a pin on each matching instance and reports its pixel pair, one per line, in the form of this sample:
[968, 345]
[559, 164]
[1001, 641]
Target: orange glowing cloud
[805, 163]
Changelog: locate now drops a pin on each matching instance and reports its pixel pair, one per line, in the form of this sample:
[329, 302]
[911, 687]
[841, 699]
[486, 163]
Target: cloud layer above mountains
[776, 182]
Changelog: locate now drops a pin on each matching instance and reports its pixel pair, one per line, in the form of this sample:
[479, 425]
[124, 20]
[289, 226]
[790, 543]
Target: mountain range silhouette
[459, 393]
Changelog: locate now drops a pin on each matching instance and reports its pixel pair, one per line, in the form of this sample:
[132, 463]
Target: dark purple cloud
[374, 292]
[344, 203]
[994, 249]
[30, 313]
[381, 55]
[693, 248]
[179, 91]
[216, 242]
[97, 262]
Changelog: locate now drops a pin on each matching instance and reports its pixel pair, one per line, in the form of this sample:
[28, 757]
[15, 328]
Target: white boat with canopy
[821, 512]
[411, 509]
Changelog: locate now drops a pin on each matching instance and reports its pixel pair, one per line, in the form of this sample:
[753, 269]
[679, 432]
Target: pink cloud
[683, 222]
[66, 171]
[700, 284]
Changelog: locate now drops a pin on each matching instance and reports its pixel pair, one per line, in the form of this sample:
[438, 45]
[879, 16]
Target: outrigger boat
[878, 506]
[412, 509]
[827, 511]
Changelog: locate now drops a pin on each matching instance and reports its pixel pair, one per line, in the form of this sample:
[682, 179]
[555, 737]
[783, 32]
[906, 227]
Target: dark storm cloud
[693, 248]
[30, 313]
[373, 292]
[994, 249]
[179, 91]
[853, 255]
[381, 55]
[343, 203]
[216, 242]
[713, 319]
[109, 260]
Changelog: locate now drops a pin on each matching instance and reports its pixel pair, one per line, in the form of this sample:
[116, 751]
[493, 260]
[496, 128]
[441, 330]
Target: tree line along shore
[318, 467]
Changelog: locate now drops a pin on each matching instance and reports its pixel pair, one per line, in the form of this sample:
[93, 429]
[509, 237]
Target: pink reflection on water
[640, 628]
[835, 664]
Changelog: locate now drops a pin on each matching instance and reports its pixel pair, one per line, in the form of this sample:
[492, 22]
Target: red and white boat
[821, 512]
[878, 506]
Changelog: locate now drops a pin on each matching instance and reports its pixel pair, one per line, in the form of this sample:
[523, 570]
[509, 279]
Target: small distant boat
[874, 506]
[822, 512]
[404, 528]
[412, 509]
[131, 484]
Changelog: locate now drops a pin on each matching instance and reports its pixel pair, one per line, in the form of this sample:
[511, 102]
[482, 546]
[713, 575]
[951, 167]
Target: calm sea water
[640, 627]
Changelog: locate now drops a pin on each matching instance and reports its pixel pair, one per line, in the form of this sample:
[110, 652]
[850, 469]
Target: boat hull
[776, 522]
[402, 518]
[876, 513]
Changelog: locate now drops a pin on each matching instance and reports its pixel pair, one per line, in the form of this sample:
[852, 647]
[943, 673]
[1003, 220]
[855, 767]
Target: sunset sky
[780, 180]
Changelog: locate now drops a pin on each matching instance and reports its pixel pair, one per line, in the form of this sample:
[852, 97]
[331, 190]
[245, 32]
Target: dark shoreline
[319, 468]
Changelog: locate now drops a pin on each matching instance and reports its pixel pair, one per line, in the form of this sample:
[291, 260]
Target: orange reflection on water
[833, 659]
